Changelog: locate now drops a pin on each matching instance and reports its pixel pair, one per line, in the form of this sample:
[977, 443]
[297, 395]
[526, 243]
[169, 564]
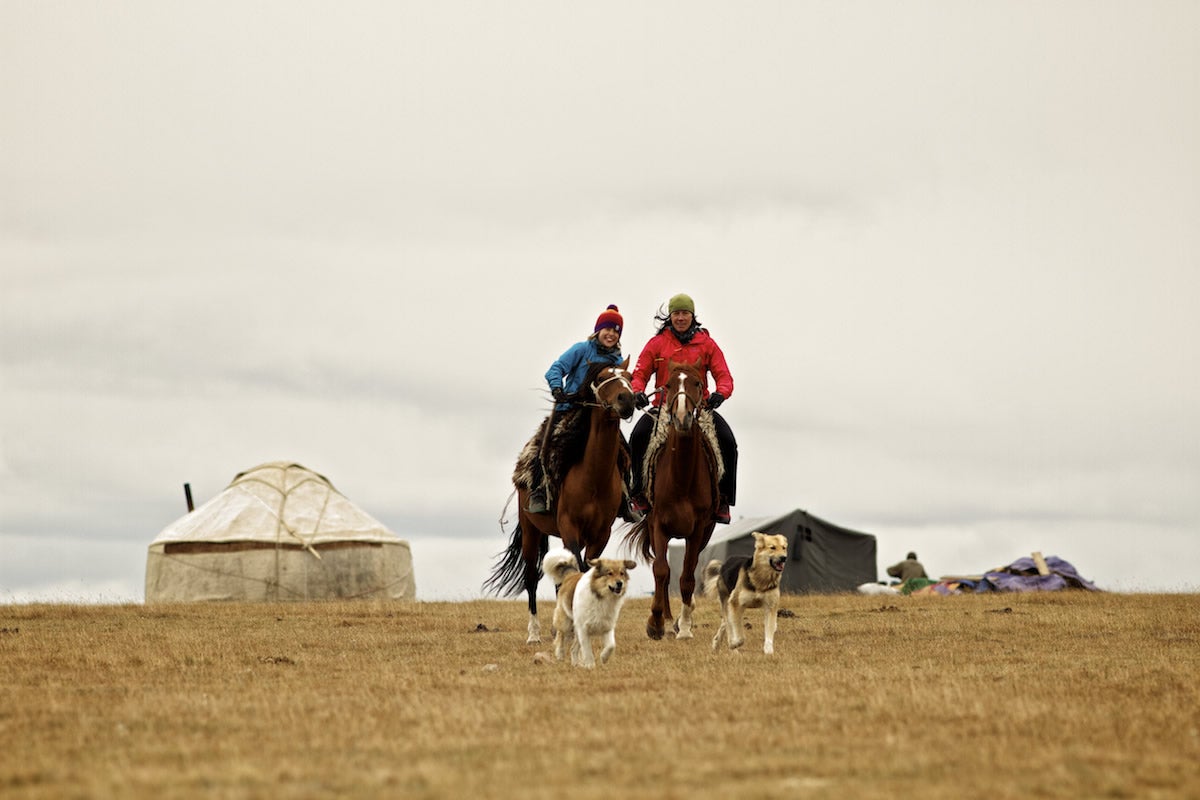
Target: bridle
[617, 375]
[678, 396]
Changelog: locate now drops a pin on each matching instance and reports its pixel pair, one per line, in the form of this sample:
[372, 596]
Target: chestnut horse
[683, 495]
[586, 503]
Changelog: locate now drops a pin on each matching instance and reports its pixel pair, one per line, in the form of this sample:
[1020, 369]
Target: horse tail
[558, 564]
[712, 574]
[508, 574]
[637, 539]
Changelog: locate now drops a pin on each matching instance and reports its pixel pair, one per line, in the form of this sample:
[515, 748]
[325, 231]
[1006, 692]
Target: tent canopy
[822, 557]
[279, 531]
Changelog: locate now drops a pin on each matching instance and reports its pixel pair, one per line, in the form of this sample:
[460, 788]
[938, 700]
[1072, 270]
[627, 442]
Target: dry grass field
[1069, 694]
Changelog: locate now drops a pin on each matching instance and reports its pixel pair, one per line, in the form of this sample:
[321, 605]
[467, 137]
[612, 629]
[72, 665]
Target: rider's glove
[715, 399]
[559, 395]
[640, 400]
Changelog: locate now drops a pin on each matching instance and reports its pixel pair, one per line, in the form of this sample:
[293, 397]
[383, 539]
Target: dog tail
[712, 574]
[558, 564]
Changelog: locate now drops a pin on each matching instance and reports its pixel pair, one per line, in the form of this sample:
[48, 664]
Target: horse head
[684, 390]
[612, 386]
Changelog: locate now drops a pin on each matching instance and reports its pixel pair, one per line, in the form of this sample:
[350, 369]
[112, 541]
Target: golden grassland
[1069, 694]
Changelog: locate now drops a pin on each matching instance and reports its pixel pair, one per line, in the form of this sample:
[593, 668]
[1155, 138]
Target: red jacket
[664, 348]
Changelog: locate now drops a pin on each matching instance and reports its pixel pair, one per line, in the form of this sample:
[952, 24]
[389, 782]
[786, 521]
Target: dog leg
[720, 632]
[610, 644]
[560, 643]
[770, 620]
[737, 636]
[583, 642]
[559, 623]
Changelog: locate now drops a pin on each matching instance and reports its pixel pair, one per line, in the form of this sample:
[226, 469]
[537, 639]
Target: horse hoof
[654, 633]
[682, 634]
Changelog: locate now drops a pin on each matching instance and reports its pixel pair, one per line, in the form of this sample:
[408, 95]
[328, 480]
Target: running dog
[588, 604]
[748, 582]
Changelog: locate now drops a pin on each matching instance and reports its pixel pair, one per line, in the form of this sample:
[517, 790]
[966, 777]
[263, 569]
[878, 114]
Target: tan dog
[588, 604]
[748, 582]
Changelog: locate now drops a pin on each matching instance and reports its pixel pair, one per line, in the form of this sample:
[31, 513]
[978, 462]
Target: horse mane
[594, 370]
[658, 438]
[694, 368]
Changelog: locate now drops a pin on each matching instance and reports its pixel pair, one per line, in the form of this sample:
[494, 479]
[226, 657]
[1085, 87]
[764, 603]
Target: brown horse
[586, 502]
[683, 497]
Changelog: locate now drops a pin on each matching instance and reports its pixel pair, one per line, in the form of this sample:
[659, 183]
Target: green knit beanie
[681, 302]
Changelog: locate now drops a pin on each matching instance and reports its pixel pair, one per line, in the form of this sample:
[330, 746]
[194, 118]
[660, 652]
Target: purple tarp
[1022, 576]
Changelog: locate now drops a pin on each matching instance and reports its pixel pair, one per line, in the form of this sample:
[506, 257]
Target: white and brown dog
[588, 604]
[748, 582]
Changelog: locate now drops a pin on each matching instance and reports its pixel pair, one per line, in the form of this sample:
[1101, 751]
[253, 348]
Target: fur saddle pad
[565, 449]
[658, 438]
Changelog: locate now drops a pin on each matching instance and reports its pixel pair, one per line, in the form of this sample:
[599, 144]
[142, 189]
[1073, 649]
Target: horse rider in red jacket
[680, 338]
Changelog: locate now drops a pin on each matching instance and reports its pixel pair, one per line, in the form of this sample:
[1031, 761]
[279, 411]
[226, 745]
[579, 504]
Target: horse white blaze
[681, 402]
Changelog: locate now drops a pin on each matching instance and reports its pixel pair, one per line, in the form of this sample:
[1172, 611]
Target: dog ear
[630, 564]
[593, 562]
[757, 536]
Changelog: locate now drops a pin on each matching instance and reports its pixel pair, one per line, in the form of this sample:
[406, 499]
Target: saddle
[658, 438]
[564, 449]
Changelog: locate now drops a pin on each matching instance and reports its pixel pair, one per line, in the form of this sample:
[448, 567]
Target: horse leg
[594, 545]
[531, 553]
[687, 588]
[660, 607]
[572, 539]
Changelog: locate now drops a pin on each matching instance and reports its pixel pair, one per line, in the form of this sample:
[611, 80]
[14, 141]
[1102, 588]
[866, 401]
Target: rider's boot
[723, 514]
[627, 512]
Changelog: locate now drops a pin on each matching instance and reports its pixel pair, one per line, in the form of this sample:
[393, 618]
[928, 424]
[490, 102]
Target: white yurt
[281, 532]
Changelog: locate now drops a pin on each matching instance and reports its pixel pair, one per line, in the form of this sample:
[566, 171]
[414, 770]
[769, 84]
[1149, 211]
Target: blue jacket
[572, 367]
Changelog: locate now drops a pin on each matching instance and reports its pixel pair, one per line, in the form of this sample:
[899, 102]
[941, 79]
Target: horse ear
[625, 363]
[698, 364]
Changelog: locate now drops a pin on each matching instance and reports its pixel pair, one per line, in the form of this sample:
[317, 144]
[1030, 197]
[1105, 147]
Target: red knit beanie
[609, 318]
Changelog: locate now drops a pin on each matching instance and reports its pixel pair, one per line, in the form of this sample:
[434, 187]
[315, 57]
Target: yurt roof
[278, 502]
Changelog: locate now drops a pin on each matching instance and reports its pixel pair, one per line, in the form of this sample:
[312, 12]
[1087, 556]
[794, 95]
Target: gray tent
[278, 532]
[821, 556]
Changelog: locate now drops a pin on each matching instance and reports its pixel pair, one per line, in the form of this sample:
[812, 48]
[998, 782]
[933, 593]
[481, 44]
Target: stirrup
[537, 503]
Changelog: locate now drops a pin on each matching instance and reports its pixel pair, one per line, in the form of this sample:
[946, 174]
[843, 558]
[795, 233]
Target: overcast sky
[951, 251]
